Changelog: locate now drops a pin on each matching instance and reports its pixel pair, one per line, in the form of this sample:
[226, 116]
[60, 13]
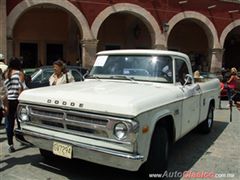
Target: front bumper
[91, 153]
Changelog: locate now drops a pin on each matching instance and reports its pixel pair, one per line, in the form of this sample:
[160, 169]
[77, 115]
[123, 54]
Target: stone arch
[202, 20]
[230, 43]
[215, 49]
[63, 4]
[227, 30]
[145, 16]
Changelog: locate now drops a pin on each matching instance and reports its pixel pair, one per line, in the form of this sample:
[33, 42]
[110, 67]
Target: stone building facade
[43, 30]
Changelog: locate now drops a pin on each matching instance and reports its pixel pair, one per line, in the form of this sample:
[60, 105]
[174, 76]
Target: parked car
[40, 77]
[29, 71]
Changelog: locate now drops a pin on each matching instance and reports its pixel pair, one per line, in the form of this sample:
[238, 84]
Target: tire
[46, 154]
[158, 155]
[206, 125]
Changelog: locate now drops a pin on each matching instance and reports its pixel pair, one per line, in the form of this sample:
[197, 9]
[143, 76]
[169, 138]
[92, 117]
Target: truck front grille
[70, 121]
[46, 113]
[87, 120]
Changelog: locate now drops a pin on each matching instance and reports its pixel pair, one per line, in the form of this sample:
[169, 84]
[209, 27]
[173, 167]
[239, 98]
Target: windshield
[134, 67]
[42, 74]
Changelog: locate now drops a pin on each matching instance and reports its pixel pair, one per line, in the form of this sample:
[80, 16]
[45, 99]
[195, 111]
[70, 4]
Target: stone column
[72, 41]
[3, 28]
[10, 47]
[89, 49]
[216, 59]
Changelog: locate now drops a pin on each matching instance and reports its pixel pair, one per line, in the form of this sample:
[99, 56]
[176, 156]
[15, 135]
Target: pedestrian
[3, 66]
[14, 81]
[60, 75]
[232, 83]
[3, 98]
[197, 77]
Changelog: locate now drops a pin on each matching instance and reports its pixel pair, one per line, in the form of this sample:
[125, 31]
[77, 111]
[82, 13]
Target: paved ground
[217, 153]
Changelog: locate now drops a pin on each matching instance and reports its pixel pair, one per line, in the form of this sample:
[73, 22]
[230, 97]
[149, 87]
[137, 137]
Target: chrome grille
[53, 124]
[47, 113]
[88, 120]
[72, 122]
[78, 123]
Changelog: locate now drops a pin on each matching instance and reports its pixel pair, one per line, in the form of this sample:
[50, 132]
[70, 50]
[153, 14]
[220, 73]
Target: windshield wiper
[94, 76]
[123, 77]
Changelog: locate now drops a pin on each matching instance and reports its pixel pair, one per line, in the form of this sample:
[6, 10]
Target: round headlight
[120, 131]
[23, 114]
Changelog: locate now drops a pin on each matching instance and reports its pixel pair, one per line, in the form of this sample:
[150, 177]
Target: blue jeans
[10, 120]
[229, 94]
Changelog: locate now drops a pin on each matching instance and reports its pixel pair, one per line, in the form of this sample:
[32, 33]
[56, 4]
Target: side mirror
[188, 79]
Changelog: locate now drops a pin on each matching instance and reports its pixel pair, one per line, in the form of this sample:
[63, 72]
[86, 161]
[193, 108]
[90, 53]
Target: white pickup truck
[133, 105]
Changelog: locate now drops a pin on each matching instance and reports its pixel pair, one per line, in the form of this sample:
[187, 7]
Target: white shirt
[3, 66]
[54, 80]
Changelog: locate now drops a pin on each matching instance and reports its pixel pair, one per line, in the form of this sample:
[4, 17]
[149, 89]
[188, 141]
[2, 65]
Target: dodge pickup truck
[132, 106]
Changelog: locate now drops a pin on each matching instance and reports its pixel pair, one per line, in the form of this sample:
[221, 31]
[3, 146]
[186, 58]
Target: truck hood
[126, 98]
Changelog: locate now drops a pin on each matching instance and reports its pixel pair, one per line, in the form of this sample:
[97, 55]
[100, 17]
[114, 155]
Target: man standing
[3, 66]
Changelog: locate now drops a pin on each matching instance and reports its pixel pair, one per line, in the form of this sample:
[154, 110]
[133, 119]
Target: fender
[145, 141]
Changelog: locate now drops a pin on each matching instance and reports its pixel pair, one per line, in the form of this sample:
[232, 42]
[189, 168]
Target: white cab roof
[142, 52]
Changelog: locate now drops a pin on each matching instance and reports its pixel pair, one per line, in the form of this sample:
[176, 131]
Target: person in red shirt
[232, 80]
[232, 83]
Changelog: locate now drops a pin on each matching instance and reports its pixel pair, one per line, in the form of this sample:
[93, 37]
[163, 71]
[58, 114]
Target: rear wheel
[206, 125]
[158, 155]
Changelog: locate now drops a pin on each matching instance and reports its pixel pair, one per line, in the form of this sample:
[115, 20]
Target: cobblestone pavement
[217, 154]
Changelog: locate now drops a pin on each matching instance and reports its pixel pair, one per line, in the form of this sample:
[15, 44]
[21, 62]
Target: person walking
[232, 83]
[14, 82]
[60, 75]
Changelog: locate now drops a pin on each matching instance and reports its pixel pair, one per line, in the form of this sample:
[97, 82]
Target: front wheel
[158, 155]
[206, 125]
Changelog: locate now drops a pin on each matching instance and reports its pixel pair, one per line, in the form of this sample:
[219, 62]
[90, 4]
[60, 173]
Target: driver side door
[191, 93]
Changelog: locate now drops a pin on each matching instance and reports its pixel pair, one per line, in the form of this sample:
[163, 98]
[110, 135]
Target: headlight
[120, 131]
[23, 113]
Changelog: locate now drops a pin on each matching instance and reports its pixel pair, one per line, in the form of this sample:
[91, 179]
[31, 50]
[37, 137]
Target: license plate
[63, 150]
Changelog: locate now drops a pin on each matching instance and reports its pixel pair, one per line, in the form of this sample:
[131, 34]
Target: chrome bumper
[103, 156]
